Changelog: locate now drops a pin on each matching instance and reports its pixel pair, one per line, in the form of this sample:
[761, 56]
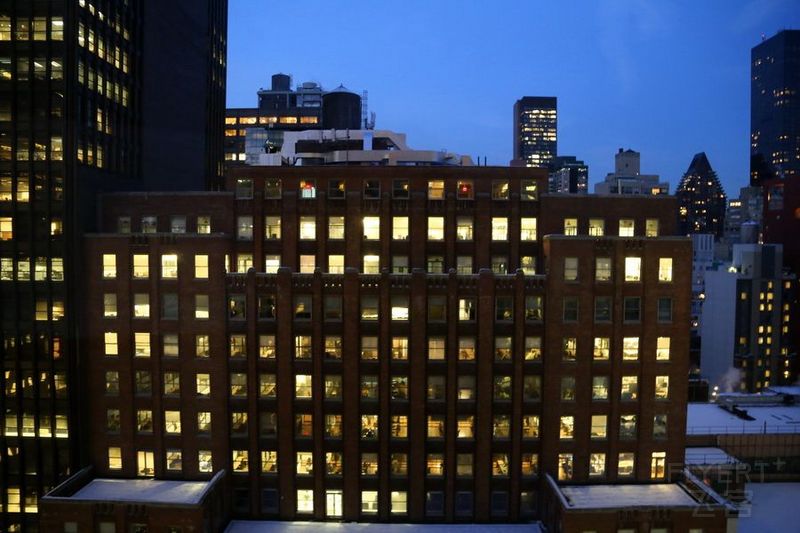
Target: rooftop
[143, 491]
[614, 496]
[709, 419]
[703, 456]
[257, 526]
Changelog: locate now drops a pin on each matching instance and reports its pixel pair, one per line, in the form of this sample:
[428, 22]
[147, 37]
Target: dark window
[665, 309]
[632, 309]
[169, 306]
[244, 189]
[269, 501]
[463, 504]
[437, 308]
[143, 383]
[499, 503]
[268, 424]
[434, 503]
[266, 307]
[504, 308]
[372, 189]
[336, 189]
[533, 308]
[570, 309]
[236, 306]
[400, 189]
[333, 308]
[241, 500]
[527, 503]
[302, 307]
[602, 309]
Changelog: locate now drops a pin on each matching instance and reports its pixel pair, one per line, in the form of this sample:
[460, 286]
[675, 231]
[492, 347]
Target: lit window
[372, 264]
[241, 463]
[601, 348]
[662, 387]
[141, 266]
[435, 228]
[436, 348]
[308, 189]
[602, 270]
[169, 266]
[527, 229]
[110, 343]
[633, 269]
[499, 264]
[626, 227]
[201, 266]
[305, 463]
[172, 422]
[141, 305]
[570, 226]
[369, 427]
[597, 227]
[600, 388]
[630, 388]
[651, 227]
[664, 269]
[369, 501]
[400, 228]
[302, 386]
[565, 466]
[114, 458]
[272, 263]
[567, 426]
[597, 465]
[464, 264]
[399, 502]
[308, 228]
[335, 227]
[467, 309]
[204, 224]
[307, 264]
[244, 228]
[201, 309]
[658, 463]
[141, 344]
[110, 266]
[599, 426]
[464, 228]
[436, 190]
[630, 348]
[662, 348]
[625, 464]
[499, 228]
[570, 269]
[302, 347]
[399, 307]
[400, 348]
[272, 227]
[499, 190]
[533, 348]
[528, 190]
[502, 348]
[336, 264]
[372, 228]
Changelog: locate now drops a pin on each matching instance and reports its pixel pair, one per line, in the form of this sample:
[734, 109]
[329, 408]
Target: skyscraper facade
[90, 100]
[701, 200]
[775, 108]
[535, 131]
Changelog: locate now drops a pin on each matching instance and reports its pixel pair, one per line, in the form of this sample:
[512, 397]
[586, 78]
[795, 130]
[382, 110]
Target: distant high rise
[701, 200]
[627, 179]
[568, 175]
[775, 108]
[94, 96]
[535, 131]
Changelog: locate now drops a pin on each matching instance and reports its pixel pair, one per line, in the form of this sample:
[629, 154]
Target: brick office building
[387, 344]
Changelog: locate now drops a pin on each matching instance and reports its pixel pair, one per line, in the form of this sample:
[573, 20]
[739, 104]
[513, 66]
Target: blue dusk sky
[666, 78]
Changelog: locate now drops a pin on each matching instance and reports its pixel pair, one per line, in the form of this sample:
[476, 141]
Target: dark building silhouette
[701, 200]
[535, 131]
[775, 108]
[568, 175]
[281, 108]
[94, 96]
